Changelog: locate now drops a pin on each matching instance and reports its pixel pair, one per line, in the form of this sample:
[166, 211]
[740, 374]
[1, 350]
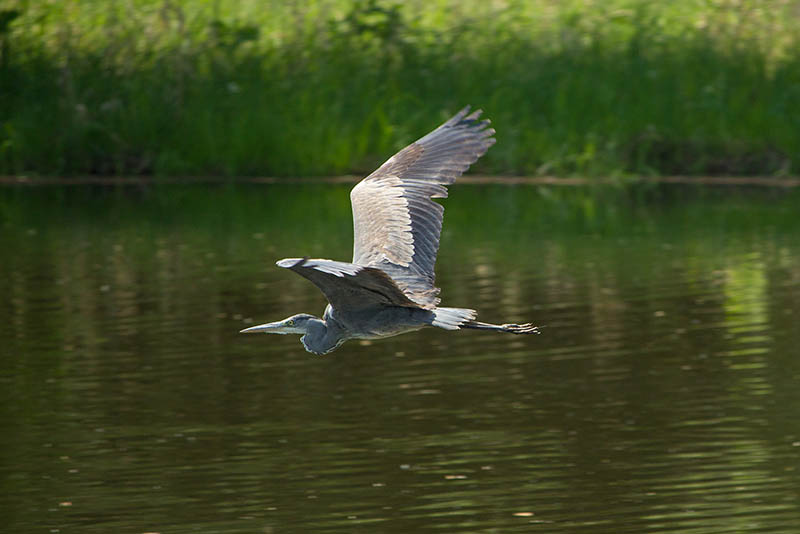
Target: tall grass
[180, 87]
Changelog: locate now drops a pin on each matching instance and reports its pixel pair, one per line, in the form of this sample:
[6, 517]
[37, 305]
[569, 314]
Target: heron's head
[296, 324]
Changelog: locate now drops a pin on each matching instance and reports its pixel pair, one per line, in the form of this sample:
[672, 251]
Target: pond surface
[662, 396]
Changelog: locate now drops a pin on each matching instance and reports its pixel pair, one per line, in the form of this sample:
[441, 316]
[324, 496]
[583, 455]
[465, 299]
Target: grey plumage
[389, 288]
[396, 224]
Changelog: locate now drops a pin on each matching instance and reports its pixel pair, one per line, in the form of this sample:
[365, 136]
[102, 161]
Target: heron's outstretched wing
[347, 286]
[396, 224]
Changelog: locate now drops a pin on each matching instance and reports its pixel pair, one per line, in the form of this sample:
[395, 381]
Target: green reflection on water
[662, 395]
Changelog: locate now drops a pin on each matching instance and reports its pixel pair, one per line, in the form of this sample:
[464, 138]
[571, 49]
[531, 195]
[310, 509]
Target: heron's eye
[290, 322]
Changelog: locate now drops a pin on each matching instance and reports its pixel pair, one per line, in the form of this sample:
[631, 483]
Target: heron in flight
[389, 289]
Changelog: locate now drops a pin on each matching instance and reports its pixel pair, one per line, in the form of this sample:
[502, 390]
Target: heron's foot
[526, 328]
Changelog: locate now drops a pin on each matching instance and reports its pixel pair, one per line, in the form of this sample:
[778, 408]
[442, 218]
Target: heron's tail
[511, 328]
[452, 318]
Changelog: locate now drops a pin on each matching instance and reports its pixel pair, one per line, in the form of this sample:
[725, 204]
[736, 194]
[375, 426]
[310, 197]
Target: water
[662, 395]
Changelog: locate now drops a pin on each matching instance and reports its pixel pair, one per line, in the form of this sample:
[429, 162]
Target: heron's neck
[321, 336]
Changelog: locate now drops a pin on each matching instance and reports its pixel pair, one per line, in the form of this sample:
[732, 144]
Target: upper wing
[396, 224]
[347, 286]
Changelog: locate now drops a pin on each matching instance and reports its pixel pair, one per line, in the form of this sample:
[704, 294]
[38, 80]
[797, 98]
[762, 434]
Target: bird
[388, 288]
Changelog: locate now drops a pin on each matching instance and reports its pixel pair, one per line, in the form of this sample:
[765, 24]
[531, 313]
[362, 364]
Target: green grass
[233, 88]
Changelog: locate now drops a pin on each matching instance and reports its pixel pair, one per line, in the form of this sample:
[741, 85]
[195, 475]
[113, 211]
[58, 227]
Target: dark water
[662, 396]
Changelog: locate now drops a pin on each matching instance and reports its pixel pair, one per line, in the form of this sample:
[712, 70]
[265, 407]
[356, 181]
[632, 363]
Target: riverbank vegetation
[321, 87]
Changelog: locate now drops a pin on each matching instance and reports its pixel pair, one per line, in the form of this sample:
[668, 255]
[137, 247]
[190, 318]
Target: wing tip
[336, 268]
[463, 111]
[471, 121]
[464, 116]
[474, 115]
[288, 263]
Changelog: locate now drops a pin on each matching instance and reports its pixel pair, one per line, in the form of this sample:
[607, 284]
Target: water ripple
[661, 397]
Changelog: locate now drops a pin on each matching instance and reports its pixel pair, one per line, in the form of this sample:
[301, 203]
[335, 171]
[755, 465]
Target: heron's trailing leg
[511, 328]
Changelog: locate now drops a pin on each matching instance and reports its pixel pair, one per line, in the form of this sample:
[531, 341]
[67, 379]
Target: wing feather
[348, 286]
[396, 224]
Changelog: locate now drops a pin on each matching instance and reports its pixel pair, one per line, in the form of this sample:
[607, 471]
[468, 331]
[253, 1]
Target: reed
[616, 88]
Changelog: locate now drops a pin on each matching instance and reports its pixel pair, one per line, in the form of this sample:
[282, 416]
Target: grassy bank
[326, 87]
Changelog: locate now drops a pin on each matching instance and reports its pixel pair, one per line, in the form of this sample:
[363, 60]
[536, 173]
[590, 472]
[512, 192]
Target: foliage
[180, 87]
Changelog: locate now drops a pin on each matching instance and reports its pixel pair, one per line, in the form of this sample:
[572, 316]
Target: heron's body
[389, 289]
[383, 321]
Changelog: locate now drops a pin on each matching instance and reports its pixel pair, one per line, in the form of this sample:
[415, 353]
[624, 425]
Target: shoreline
[761, 181]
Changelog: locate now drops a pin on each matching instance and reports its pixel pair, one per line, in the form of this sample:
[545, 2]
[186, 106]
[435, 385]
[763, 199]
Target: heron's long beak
[278, 327]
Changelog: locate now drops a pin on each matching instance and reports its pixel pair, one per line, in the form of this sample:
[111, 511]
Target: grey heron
[389, 289]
